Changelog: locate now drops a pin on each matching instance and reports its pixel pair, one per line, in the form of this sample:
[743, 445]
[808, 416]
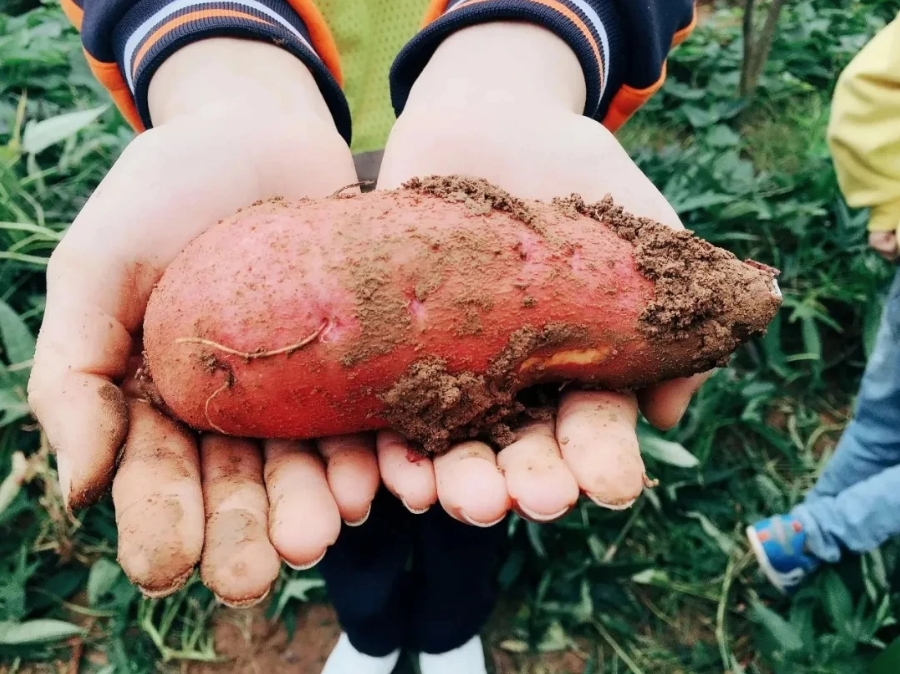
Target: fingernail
[242, 603]
[684, 408]
[154, 594]
[362, 520]
[159, 593]
[306, 567]
[483, 525]
[622, 505]
[537, 517]
[415, 511]
[776, 289]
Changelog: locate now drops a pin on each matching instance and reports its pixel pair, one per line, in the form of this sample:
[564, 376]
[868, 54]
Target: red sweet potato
[428, 308]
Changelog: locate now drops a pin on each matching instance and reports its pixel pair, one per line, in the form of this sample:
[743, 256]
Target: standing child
[855, 505]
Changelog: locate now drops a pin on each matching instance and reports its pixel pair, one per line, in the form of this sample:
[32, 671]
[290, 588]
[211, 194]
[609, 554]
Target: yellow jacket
[864, 129]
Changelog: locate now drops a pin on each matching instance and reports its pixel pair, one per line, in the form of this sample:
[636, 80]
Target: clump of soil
[434, 407]
[477, 194]
[698, 286]
[381, 313]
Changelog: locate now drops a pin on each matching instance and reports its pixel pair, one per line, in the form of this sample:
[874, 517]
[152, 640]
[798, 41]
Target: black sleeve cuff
[591, 29]
[152, 30]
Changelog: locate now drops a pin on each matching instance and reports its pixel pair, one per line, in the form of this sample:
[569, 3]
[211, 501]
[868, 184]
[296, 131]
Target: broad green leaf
[36, 631]
[838, 603]
[801, 617]
[888, 662]
[871, 324]
[771, 344]
[15, 336]
[722, 136]
[683, 91]
[104, 574]
[787, 636]
[696, 202]
[12, 407]
[664, 450]
[725, 544]
[739, 208]
[812, 340]
[875, 574]
[534, 537]
[39, 136]
[699, 117]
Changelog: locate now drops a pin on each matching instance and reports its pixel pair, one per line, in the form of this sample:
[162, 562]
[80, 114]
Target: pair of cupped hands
[501, 102]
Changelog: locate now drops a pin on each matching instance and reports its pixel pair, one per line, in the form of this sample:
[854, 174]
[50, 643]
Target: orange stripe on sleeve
[559, 8]
[109, 76]
[435, 9]
[169, 26]
[629, 100]
[683, 33]
[73, 13]
[322, 40]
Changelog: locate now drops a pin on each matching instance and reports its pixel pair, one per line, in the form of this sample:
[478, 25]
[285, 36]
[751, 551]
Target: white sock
[467, 659]
[345, 659]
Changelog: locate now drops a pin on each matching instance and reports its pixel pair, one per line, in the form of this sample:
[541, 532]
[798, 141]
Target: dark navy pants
[425, 583]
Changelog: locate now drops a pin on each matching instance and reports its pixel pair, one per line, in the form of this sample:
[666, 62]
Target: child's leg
[853, 502]
[454, 579]
[860, 518]
[862, 479]
[871, 442]
[365, 572]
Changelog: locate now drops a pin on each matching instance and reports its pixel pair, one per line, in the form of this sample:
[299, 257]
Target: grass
[667, 587]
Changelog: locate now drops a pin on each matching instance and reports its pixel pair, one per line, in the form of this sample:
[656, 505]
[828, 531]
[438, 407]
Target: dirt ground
[250, 644]
[255, 646]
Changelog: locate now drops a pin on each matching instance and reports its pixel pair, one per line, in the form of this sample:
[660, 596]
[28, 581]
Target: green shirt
[369, 34]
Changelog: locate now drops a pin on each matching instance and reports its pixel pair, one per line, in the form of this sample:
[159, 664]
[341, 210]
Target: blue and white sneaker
[779, 545]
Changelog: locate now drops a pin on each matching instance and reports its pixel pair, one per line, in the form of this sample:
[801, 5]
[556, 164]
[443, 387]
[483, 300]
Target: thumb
[665, 404]
[70, 391]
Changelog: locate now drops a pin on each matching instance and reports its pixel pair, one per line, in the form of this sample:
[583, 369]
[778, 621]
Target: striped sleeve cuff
[152, 30]
[592, 30]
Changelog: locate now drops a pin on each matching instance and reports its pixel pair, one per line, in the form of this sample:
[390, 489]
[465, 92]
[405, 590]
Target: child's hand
[885, 243]
[223, 138]
[503, 102]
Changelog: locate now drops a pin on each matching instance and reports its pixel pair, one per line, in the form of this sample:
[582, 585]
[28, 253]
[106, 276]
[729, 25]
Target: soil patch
[253, 645]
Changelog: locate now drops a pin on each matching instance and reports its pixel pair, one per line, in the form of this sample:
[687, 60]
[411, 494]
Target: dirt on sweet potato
[436, 407]
[437, 309]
